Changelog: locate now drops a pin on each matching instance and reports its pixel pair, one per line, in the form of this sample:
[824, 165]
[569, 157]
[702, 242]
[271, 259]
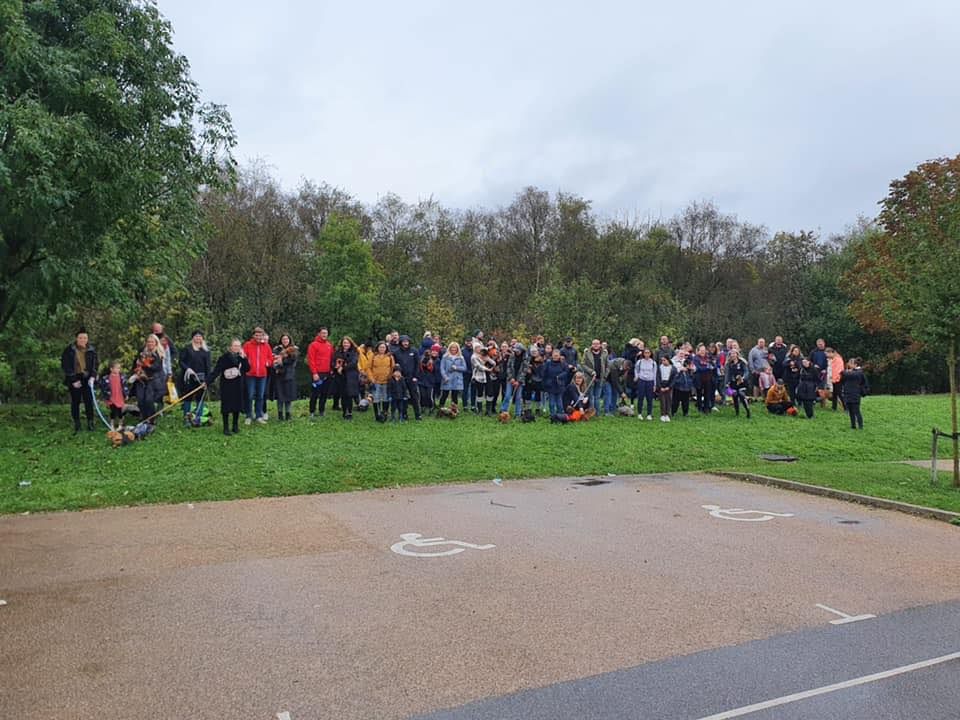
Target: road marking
[419, 541]
[736, 513]
[844, 618]
[796, 697]
[283, 716]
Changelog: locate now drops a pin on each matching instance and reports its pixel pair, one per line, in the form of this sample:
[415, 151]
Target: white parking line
[844, 618]
[787, 699]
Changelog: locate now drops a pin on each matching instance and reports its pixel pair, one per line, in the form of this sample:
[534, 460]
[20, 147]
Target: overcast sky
[795, 116]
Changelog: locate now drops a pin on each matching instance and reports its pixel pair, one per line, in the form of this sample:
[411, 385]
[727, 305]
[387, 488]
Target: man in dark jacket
[779, 352]
[665, 349]
[597, 359]
[569, 353]
[408, 360]
[79, 364]
[854, 388]
[517, 368]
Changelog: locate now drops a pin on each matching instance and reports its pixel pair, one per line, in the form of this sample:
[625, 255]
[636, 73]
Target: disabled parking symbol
[410, 541]
[742, 515]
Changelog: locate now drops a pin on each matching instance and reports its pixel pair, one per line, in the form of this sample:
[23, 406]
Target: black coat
[150, 385]
[854, 384]
[199, 361]
[397, 389]
[285, 373]
[408, 361]
[68, 363]
[346, 373]
[780, 355]
[231, 389]
[808, 381]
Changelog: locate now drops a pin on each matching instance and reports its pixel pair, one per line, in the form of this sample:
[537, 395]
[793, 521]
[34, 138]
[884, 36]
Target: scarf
[116, 390]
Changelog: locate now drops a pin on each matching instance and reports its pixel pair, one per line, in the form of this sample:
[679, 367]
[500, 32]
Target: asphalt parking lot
[668, 596]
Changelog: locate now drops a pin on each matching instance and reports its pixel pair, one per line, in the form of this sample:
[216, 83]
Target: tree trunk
[952, 364]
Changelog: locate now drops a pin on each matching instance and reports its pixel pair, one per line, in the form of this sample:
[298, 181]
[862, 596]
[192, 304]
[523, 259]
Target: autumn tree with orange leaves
[907, 275]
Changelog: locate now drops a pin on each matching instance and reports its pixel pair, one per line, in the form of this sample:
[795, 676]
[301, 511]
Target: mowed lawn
[178, 464]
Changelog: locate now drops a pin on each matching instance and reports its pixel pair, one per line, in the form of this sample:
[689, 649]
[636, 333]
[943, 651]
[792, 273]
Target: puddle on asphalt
[593, 481]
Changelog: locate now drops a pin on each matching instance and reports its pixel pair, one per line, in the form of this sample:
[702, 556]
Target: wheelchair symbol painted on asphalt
[743, 515]
[416, 540]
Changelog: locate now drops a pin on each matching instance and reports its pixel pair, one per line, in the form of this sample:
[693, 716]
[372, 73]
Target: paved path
[252, 608]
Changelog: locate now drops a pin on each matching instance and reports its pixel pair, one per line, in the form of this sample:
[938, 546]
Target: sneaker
[666, 418]
[247, 421]
[715, 409]
[649, 417]
[262, 420]
[266, 416]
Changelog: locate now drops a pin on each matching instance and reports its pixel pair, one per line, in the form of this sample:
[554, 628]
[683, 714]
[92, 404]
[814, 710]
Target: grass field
[178, 464]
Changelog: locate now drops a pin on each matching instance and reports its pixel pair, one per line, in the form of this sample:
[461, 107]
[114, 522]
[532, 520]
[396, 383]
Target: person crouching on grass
[778, 399]
[230, 368]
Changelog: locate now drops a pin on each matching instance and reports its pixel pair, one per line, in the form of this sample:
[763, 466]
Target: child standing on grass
[855, 387]
[230, 368]
[766, 380]
[666, 376]
[736, 377]
[397, 391]
[646, 375]
[115, 388]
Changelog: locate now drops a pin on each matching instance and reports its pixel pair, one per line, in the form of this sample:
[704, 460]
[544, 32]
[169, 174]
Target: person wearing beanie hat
[408, 360]
[429, 377]
[196, 364]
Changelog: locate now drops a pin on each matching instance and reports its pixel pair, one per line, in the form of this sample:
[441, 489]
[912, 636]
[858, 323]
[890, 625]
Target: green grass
[178, 464]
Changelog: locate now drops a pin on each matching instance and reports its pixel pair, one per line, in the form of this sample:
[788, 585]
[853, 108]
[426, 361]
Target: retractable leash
[93, 395]
[174, 404]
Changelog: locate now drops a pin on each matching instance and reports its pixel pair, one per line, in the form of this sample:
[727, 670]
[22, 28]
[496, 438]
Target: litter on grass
[3, 602]
[25, 483]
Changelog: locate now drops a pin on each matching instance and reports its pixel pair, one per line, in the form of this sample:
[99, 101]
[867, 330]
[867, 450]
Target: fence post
[933, 461]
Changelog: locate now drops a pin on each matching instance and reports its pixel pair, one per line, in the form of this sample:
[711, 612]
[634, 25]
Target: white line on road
[786, 699]
[283, 715]
[844, 618]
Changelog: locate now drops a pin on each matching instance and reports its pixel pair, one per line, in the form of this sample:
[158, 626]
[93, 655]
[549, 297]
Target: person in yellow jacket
[778, 399]
[365, 351]
[380, 370]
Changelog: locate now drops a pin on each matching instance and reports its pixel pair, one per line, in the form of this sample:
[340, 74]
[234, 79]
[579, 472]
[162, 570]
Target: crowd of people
[396, 377]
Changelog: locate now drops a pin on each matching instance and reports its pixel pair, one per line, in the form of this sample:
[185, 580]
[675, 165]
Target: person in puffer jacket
[408, 360]
[556, 375]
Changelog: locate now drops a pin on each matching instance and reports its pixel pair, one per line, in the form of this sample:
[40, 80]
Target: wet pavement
[300, 605]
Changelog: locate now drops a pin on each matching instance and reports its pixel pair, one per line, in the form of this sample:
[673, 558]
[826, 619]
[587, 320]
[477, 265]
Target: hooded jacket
[381, 367]
[408, 359]
[319, 356]
[555, 376]
[260, 357]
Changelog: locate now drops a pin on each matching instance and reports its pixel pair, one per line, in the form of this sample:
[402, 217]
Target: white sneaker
[666, 418]
[649, 417]
[716, 409]
[266, 416]
[663, 418]
[247, 421]
[262, 420]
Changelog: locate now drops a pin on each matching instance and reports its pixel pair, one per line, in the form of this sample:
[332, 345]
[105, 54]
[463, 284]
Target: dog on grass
[504, 417]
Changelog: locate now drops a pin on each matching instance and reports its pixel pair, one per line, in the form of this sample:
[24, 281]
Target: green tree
[103, 145]
[905, 277]
[346, 287]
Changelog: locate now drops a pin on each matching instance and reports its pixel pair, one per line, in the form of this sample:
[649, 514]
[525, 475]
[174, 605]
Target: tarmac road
[248, 609]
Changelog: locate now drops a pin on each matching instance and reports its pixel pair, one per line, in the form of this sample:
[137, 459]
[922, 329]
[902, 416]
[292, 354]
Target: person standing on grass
[466, 351]
[533, 387]
[705, 372]
[619, 369]
[408, 361]
[806, 392]
[779, 350]
[453, 368]
[231, 368]
[792, 366]
[665, 348]
[766, 380]
[835, 371]
[646, 376]
[196, 364]
[79, 363]
[569, 353]
[556, 374]
[398, 394]
[169, 349]
[517, 370]
[347, 375]
[757, 360]
[260, 358]
[285, 357]
[855, 388]
[484, 368]
[683, 386]
[320, 362]
[666, 376]
[428, 377]
[148, 377]
[598, 360]
[381, 370]
[736, 377]
[778, 399]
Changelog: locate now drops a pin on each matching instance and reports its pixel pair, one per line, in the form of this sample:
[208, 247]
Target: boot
[76, 425]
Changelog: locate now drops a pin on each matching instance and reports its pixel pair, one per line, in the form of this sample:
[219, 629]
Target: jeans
[556, 403]
[469, 396]
[513, 394]
[257, 395]
[596, 393]
[856, 419]
[645, 392]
